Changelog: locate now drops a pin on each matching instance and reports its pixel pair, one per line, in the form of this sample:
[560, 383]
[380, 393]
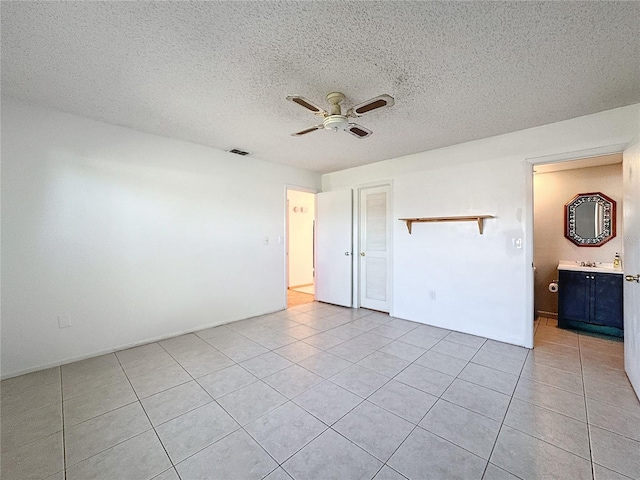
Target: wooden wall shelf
[471, 218]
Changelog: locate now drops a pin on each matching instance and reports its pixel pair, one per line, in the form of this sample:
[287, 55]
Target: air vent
[239, 152]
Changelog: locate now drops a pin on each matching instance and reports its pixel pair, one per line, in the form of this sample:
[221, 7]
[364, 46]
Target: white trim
[124, 347]
[296, 188]
[356, 240]
[529, 225]
[528, 255]
[299, 188]
[578, 154]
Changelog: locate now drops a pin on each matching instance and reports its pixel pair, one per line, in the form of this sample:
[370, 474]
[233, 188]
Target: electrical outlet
[64, 321]
[265, 241]
[432, 294]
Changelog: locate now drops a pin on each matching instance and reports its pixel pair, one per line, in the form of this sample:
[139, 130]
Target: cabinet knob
[632, 278]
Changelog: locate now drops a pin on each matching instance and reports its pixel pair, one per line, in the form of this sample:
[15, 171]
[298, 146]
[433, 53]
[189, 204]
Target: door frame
[297, 188]
[559, 157]
[356, 285]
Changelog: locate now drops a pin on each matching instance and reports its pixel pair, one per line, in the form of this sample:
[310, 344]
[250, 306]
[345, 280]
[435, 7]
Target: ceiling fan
[335, 120]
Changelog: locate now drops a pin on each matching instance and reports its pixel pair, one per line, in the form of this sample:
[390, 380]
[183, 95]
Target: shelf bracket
[409, 223]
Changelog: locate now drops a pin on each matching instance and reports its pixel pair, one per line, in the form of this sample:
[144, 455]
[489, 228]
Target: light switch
[517, 243]
[266, 241]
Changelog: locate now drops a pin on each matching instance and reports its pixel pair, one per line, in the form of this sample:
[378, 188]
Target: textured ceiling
[217, 73]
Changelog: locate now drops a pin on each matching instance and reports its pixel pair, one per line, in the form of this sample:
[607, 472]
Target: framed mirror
[590, 219]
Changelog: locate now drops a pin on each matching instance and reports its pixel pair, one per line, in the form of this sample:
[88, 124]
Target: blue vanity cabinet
[607, 300]
[590, 301]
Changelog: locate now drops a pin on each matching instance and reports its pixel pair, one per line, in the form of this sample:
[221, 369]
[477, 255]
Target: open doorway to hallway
[300, 247]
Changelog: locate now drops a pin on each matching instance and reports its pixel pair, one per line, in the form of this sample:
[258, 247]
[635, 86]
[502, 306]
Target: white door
[375, 255]
[333, 247]
[631, 261]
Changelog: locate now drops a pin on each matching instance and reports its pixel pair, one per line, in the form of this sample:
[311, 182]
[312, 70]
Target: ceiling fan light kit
[335, 120]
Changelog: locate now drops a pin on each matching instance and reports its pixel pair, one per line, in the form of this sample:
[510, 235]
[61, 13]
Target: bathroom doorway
[555, 184]
[300, 247]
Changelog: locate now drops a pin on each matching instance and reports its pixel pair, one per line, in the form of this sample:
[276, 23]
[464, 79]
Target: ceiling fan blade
[380, 101]
[358, 130]
[308, 130]
[303, 102]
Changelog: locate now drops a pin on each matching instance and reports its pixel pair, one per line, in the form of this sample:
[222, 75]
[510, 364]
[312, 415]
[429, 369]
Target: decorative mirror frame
[608, 219]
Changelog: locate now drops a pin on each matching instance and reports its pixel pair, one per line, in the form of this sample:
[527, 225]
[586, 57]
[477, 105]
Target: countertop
[599, 268]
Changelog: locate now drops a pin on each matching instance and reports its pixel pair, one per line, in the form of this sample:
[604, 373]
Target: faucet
[587, 264]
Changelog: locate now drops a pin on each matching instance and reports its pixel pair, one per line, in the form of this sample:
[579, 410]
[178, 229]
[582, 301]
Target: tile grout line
[586, 413]
[278, 463]
[593, 463]
[330, 427]
[416, 425]
[495, 442]
[241, 427]
[104, 413]
[146, 414]
[64, 431]
[213, 400]
[439, 397]
[288, 400]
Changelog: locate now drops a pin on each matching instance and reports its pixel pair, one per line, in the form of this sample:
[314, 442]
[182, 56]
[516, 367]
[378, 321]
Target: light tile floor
[321, 392]
[295, 298]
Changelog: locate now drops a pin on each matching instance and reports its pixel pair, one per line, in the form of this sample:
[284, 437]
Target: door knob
[362, 254]
[347, 253]
[632, 278]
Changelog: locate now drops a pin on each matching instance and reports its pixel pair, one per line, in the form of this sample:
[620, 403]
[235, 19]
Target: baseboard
[300, 286]
[542, 313]
[124, 347]
[497, 338]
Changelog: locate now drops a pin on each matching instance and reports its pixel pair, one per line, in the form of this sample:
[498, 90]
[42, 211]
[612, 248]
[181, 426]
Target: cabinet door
[575, 295]
[607, 300]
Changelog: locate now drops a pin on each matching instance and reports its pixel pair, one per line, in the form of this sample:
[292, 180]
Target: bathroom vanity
[590, 298]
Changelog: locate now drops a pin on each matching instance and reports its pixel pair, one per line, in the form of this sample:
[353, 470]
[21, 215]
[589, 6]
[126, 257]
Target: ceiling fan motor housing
[335, 122]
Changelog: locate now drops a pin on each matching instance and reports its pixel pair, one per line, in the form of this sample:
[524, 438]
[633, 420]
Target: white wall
[134, 235]
[483, 284]
[551, 191]
[301, 216]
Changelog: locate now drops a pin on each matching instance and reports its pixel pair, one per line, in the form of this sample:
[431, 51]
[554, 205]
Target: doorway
[354, 245]
[300, 247]
[375, 248]
[597, 353]
[555, 184]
